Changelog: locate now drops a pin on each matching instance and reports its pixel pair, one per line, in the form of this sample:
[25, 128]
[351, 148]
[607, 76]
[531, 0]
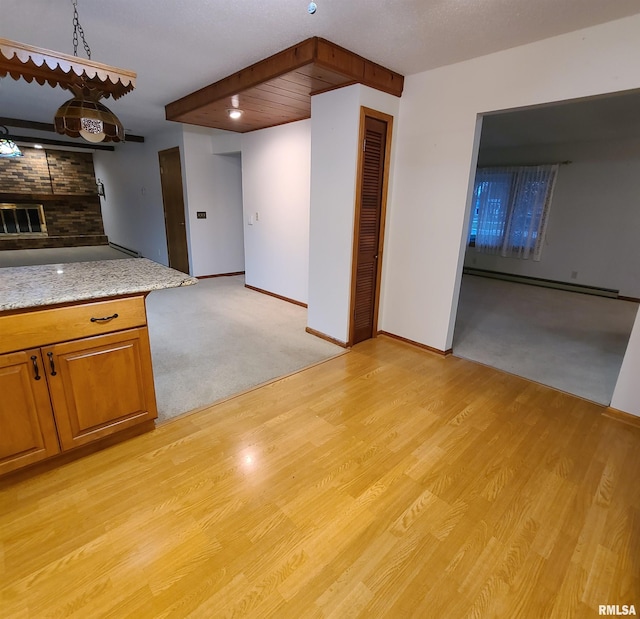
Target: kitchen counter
[54, 284]
[75, 357]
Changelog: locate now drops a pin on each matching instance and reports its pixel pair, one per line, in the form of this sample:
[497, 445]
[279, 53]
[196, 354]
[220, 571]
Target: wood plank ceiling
[278, 89]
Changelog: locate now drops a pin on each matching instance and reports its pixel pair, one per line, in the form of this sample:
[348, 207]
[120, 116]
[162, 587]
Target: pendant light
[8, 148]
[84, 116]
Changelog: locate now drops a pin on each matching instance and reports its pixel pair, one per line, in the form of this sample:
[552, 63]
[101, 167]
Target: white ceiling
[178, 47]
[612, 117]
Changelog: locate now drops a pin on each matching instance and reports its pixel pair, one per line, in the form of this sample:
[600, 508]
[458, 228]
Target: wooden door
[27, 429]
[370, 206]
[174, 215]
[100, 385]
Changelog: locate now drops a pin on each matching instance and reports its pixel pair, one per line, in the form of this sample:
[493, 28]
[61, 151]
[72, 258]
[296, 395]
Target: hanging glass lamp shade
[8, 148]
[89, 119]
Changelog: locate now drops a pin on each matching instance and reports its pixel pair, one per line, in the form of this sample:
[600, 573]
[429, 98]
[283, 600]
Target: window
[22, 219]
[510, 210]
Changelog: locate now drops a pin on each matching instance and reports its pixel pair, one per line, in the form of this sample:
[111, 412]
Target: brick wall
[74, 218]
[72, 172]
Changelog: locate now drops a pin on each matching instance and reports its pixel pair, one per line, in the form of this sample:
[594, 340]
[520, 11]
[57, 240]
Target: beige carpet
[567, 340]
[218, 338]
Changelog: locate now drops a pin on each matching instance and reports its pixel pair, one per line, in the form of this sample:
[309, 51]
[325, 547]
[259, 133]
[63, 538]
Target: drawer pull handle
[105, 319]
[34, 360]
[52, 364]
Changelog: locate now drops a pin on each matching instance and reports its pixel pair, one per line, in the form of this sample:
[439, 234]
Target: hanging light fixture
[8, 148]
[84, 116]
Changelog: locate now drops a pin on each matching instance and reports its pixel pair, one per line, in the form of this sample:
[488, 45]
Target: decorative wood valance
[45, 66]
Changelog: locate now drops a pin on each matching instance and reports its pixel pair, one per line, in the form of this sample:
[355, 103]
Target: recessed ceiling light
[234, 113]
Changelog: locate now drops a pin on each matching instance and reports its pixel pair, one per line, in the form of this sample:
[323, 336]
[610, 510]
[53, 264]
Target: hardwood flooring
[387, 482]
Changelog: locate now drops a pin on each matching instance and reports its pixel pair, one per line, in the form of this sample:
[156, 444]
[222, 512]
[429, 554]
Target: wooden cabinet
[27, 429]
[100, 385]
[66, 394]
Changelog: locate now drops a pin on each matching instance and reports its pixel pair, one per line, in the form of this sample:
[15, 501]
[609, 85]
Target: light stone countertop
[51, 284]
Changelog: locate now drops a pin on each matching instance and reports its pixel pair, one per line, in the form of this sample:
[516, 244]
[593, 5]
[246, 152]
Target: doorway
[368, 237]
[563, 319]
[173, 203]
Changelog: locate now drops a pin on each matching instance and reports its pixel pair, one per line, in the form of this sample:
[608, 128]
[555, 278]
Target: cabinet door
[27, 429]
[100, 385]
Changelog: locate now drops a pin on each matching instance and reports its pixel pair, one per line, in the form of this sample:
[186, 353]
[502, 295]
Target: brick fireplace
[64, 183]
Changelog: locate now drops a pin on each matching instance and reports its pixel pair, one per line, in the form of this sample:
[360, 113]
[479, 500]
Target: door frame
[364, 112]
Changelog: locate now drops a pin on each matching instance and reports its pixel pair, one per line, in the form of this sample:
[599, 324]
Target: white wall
[133, 210]
[225, 142]
[626, 395]
[593, 219]
[132, 207]
[335, 119]
[436, 156]
[213, 184]
[334, 137]
[275, 186]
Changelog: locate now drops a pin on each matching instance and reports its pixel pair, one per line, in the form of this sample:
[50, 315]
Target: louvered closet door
[369, 228]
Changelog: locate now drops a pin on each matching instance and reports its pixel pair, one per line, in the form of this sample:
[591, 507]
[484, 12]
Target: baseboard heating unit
[546, 283]
[126, 250]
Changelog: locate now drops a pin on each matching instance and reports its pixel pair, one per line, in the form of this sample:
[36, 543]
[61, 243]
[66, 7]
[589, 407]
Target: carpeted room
[570, 329]
[219, 338]
[570, 341]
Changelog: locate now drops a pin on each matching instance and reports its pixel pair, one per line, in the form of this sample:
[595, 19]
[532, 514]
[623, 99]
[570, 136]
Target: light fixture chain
[77, 28]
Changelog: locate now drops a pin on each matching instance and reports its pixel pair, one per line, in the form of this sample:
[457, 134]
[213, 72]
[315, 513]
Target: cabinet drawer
[49, 326]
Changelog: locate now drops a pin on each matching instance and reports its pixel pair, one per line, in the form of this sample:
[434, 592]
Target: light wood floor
[388, 482]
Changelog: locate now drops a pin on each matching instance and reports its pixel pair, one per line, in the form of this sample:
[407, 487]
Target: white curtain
[511, 209]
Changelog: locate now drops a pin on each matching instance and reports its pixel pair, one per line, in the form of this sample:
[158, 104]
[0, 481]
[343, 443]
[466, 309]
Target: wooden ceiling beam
[284, 84]
[258, 73]
[50, 127]
[28, 139]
